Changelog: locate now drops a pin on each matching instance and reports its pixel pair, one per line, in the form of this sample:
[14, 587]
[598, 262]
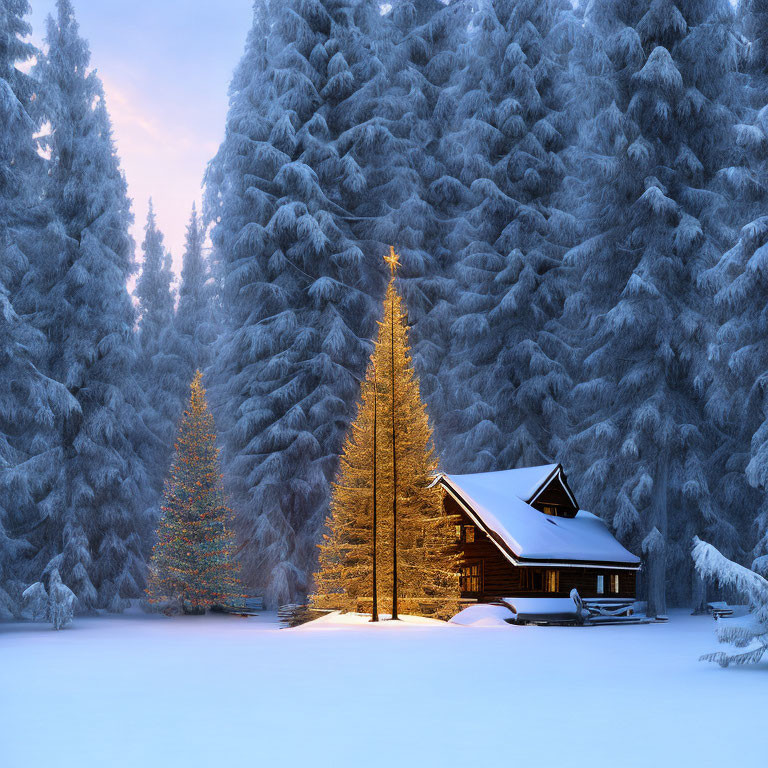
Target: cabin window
[531, 580]
[469, 534]
[556, 510]
[458, 532]
[471, 578]
[601, 584]
[615, 583]
[551, 581]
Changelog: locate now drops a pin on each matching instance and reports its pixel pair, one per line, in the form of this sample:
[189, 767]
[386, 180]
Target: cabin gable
[555, 497]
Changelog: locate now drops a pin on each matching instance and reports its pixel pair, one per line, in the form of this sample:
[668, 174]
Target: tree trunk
[394, 470]
[375, 609]
[70, 430]
[655, 544]
[698, 594]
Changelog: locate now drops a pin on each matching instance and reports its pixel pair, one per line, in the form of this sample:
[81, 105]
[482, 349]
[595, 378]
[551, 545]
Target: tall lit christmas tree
[385, 485]
[193, 563]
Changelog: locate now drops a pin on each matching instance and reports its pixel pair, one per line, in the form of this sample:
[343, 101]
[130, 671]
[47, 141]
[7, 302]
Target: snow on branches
[56, 604]
[740, 632]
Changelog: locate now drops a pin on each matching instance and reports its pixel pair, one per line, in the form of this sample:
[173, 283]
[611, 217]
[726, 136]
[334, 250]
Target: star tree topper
[393, 260]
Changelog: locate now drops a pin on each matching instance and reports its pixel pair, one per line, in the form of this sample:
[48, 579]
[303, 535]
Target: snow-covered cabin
[523, 535]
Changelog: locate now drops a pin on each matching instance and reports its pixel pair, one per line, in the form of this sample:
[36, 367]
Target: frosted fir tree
[389, 545]
[331, 145]
[95, 521]
[193, 561]
[504, 156]
[158, 361]
[22, 212]
[742, 632]
[404, 199]
[31, 404]
[296, 285]
[738, 395]
[12, 337]
[154, 291]
[737, 399]
[195, 320]
[55, 604]
[746, 176]
[655, 78]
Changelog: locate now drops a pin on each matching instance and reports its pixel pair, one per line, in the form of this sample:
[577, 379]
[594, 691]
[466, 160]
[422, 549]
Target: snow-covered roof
[523, 482]
[498, 500]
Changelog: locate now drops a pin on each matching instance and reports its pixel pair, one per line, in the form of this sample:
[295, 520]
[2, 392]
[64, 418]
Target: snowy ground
[224, 691]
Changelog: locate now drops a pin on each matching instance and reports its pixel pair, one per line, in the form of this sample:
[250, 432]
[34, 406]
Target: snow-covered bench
[542, 610]
[570, 610]
[720, 609]
[610, 606]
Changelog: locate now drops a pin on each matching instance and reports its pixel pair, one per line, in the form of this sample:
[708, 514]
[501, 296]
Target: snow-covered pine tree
[296, 286]
[742, 631]
[95, 521]
[407, 196]
[339, 106]
[158, 362]
[737, 399]
[738, 396]
[511, 125]
[655, 80]
[195, 321]
[20, 160]
[31, 404]
[55, 604]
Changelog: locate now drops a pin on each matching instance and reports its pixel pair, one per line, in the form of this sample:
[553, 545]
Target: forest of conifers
[579, 196]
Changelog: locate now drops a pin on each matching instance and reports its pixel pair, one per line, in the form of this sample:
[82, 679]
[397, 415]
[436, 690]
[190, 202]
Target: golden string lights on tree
[389, 448]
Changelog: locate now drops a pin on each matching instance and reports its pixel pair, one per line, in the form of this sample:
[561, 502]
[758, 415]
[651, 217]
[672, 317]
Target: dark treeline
[577, 195]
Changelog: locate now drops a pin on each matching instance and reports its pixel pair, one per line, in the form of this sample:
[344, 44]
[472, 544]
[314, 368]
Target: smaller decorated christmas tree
[192, 564]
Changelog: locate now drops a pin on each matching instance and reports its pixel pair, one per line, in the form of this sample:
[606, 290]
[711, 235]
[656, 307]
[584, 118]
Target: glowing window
[551, 581]
[615, 583]
[469, 534]
[471, 578]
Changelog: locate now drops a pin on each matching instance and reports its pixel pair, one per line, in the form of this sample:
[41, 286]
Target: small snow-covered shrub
[744, 631]
[35, 600]
[57, 604]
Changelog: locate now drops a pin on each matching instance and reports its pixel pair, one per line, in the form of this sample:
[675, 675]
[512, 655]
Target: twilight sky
[166, 66]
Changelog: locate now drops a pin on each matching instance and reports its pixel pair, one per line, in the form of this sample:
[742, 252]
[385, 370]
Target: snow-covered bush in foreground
[744, 631]
[56, 605]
